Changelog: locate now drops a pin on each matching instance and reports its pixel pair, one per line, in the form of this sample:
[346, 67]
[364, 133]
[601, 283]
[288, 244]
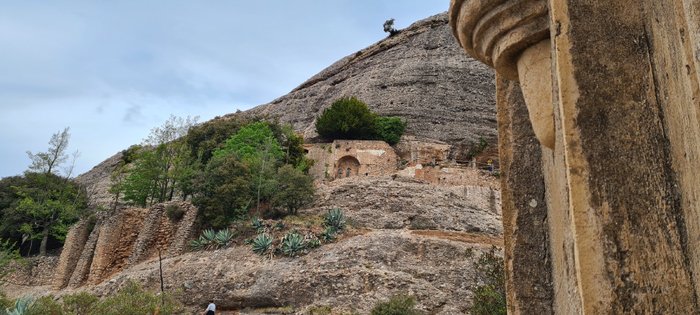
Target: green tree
[159, 164]
[295, 189]
[223, 192]
[48, 205]
[256, 146]
[346, 118]
[47, 162]
[390, 129]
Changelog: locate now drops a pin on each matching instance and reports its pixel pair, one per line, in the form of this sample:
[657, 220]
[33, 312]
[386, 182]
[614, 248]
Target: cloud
[133, 114]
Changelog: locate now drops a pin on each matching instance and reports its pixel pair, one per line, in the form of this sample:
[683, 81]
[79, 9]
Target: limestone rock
[417, 75]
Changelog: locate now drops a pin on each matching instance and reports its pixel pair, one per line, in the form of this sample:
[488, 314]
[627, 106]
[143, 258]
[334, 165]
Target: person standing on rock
[211, 308]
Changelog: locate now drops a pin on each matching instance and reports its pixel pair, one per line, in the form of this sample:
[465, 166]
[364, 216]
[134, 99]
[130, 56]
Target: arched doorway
[347, 166]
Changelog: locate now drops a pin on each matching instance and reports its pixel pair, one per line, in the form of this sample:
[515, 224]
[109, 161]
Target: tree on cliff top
[351, 119]
[41, 205]
[346, 118]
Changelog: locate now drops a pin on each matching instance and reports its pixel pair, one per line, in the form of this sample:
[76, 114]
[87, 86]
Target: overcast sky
[112, 70]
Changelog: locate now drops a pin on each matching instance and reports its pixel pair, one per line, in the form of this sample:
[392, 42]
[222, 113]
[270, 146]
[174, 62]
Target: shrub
[295, 189]
[292, 244]
[80, 303]
[335, 219]
[346, 118]
[132, 299]
[174, 212]
[489, 297]
[5, 302]
[46, 305]
[21, 306]
[397, 305]
[390, 129]
[261, 244]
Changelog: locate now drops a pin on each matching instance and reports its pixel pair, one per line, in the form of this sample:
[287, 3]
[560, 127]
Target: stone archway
[347, 166]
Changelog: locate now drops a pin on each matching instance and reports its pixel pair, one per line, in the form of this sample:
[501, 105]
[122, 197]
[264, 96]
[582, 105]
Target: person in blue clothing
[211, 308]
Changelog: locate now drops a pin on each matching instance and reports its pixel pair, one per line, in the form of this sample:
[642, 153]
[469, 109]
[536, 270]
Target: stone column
[620, 169]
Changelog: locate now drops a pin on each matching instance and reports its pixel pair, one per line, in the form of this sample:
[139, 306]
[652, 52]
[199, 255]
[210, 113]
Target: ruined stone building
[348, 158]
[599, 133]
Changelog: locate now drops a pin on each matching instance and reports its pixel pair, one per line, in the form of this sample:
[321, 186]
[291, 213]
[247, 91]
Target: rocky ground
[404, 237]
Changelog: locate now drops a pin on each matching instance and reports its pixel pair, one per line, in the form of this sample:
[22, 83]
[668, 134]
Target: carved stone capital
[496, 32]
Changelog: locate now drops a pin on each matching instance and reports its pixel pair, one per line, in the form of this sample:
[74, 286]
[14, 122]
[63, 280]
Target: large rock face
[418, 75]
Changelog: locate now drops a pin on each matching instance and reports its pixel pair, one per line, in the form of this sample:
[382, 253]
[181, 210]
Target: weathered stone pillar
[612, 94]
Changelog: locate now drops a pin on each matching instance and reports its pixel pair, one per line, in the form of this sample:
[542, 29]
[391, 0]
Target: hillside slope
[421, 75]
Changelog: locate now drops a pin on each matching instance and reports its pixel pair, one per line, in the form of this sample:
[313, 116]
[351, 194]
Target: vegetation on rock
[42, 203]
[490, 294]
[396, 305]
[350, 118]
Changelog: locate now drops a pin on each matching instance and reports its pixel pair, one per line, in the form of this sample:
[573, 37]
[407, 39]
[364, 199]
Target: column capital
[497, 31]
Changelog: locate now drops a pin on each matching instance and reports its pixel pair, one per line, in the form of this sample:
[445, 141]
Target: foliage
[261, 244]
[39, 206]
[47, 162]
[5, 302]
[346, 118]
[202, 140]
[477, 148]
[46, 305]
[292, 244]
[80, 303]
[295, 189]
[210, 239]
[390, 129]
[21, 306]
[397, 305]
[132, 299]
[328, 234]
[8, 254]
[257, 224]
[335, 219]
[389, 27]
[160, 167]
[174, 212]
[350, 118]
[224, 193]
[489, 297]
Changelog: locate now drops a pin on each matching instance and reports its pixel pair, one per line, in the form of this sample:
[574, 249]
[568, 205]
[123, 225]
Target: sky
[112, 70]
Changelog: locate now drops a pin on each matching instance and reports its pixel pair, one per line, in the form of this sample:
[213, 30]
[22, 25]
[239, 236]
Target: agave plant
[223, 238]
[335, 218]
[258, 224]
[209, 235]
[21, 306]
[261, 243]
[329, 234]
[292, 243]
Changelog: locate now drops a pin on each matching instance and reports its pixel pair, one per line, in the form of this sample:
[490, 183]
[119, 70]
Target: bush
[21, 306]
[5, 302]
[80, 303]
[295, 189]
[46, 305]
[390, 129]
[490, 296]
[132, 299]
[397, 305]
[346, 118]
[174, 212]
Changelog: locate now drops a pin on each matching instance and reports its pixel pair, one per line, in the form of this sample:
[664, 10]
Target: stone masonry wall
[121, 239]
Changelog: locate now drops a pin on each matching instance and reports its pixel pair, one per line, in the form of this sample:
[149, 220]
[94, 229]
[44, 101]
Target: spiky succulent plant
[292, 244]
[261, 244]
[335, 218]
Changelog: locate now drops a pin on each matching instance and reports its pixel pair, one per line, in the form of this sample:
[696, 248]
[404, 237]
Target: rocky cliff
[420, 74]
